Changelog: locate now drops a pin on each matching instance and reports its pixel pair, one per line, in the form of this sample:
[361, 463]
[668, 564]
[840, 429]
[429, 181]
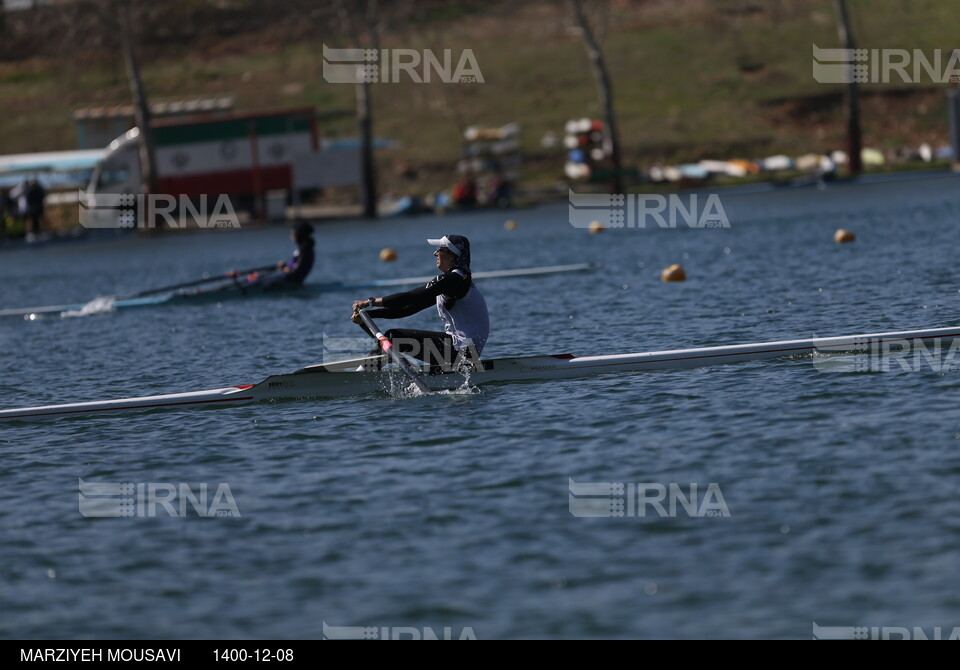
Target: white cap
[445, 243]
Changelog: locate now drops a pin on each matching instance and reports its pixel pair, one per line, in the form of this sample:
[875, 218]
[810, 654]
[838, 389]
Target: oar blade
[387, 347]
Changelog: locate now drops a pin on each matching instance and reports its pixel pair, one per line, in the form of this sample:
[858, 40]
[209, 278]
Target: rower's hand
[282, 265]
[360, 304]
[356, 317]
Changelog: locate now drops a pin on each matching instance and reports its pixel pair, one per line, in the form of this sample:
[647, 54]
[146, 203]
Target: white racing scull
[343, 379]
[221, 289]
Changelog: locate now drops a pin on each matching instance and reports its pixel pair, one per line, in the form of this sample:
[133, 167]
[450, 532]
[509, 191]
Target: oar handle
[386, 346]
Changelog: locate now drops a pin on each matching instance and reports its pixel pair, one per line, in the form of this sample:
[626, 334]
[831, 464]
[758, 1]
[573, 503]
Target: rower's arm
[399, 305]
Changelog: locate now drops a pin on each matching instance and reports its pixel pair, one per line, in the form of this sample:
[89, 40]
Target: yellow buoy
[842, 236]
[388, 254]
[510, 225]
[674, 273]
[596, 227]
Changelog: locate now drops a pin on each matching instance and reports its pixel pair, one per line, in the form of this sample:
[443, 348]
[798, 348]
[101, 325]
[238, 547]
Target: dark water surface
[452, 510]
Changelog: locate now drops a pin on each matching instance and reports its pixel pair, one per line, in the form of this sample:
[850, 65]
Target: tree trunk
[141, 108]
[851, 97]
[368, 173]
[611, 141]
[367, 166]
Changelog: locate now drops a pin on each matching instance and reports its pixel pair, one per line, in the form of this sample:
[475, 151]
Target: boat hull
[231, 290]
[342, 378]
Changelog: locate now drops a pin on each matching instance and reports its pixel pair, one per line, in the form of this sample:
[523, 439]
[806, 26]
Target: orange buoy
[842, 236]
[674, 273]
[596, 227]
[510, 225]
[388, 254]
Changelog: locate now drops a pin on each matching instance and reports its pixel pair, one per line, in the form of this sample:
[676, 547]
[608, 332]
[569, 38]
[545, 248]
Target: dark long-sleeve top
[301, 264]
[399, 305]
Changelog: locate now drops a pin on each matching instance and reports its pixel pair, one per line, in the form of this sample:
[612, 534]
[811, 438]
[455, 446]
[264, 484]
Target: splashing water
[400, 387]
[95, 306]
[465, 388]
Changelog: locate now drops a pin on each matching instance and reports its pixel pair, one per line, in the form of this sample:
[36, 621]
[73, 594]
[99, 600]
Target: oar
[198, 282]
[387, 347]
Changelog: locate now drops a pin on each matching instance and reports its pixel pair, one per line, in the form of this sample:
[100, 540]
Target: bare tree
[351, 18]
[111, 27]
[852, 95]
[611, 139]
[141, 107]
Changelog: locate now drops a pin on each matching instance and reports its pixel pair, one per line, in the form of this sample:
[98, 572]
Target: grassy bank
[692, 79]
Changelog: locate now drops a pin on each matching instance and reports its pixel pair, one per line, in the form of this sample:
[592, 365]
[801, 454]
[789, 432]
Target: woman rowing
[288, 274]
[296, 270]
[459, 302]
